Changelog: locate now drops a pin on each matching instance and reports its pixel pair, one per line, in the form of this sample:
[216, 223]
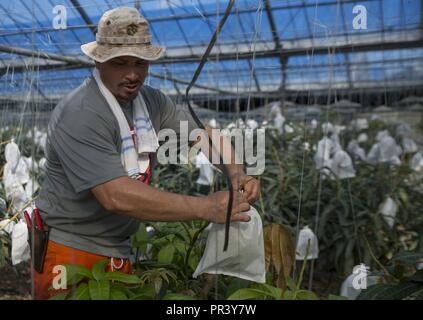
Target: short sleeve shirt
[83, 151]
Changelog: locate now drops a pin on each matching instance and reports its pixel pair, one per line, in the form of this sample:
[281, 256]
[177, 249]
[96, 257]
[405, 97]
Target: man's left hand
[249, 185]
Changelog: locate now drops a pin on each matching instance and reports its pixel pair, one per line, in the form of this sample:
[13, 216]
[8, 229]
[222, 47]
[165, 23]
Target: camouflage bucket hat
[122, 32]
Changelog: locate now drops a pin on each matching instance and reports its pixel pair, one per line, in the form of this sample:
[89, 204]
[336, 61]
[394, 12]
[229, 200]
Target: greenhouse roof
[264, 45]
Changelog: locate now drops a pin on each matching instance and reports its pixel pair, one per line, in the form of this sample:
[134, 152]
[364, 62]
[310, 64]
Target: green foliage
[401, 280]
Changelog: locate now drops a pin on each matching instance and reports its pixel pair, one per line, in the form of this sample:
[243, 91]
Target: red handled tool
[27, 219]
[38, 220]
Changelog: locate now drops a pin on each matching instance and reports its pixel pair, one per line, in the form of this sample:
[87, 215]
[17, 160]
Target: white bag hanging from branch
[408, 145]
[385, 151]
[388, 209]
[337, 129]
[252, 124]
[278, 122]
[342, 165]
[12, 153]
[20, 246]
[206, 170]
[313, 124]
[373, 155]
[356, 151]
[306, 235]
[213, 123]
[244, 257]
[327, 128]
[288, 128]
[417, 162]
[389, 150]
[336, 143]
[382, 134]
[360, 124]
[403, 130]
[31, 187]
[323, 153]
[362, 137]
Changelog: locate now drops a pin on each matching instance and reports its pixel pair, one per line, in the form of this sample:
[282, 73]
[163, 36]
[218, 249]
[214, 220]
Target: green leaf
[248, 294]
[376, 292]
[81, 293]
[166, 254]
[60, 296]
[144, 292]
[335, 297]
[116, 294]
[408, 258]
[291, 285]
[177, 296]
[141, 239]
[306, 295]
[75, 273]
[122, 277]
[98, 269]
[403, 290]
[417, 277]
[99, 290]
[274, 292]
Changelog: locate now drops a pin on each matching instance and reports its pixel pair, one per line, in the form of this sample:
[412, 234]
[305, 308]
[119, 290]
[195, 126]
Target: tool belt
[38, 235]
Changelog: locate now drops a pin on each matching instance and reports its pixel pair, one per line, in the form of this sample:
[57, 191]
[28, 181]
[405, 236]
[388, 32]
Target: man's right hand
[218, 207]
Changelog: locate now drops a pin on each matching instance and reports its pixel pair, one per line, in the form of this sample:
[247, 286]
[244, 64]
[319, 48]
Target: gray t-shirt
[83, 151]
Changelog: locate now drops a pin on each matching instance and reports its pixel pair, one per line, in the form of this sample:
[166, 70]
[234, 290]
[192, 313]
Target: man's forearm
[144, 202]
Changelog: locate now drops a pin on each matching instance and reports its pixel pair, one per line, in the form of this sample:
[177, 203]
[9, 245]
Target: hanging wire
[200, 124]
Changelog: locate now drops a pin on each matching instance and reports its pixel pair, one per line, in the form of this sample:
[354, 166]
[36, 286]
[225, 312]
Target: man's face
[123, 76]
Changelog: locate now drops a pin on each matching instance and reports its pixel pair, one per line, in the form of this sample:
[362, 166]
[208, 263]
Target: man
[95, 191]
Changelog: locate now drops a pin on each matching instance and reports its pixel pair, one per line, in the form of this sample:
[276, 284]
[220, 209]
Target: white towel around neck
[135, 158]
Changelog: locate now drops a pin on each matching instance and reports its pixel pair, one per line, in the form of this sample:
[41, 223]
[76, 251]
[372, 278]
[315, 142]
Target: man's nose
[132, 76]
